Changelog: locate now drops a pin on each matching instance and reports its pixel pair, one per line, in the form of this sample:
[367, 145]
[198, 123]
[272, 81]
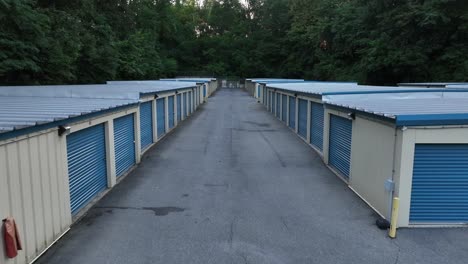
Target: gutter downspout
[390, 184]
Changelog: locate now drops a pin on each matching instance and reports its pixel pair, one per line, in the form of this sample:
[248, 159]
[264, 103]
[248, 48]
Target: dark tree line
[91, 41]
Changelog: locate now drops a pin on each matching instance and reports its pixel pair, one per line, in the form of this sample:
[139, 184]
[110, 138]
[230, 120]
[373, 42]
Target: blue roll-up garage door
[278, 105]
[302, 118]
[284, 114]
[190, 103]
[273, 104]
[179, 108]
[146, 124]
[124, 144]
[184, 105]
[170, 115]
[292, 112]
[258, 91]
[264, 96]
[340, 144]
[204, 91]
[439, 192]
[87, 168]
[267, 99]
[316, 125]
[270, 101]
[161, 117]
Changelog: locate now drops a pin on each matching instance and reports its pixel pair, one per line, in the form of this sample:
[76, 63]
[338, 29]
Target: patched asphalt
[233, 184]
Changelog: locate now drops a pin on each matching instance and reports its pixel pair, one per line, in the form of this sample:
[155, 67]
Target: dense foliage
[91, 41]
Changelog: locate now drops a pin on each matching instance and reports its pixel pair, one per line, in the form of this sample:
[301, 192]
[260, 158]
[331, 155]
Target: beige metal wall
[249, 86]
[34, 190]
[200, 94]
[372, 162]
[212, 87]
[405, 159]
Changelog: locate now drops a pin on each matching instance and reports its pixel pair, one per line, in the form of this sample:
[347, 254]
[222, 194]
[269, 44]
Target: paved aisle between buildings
[234, 185]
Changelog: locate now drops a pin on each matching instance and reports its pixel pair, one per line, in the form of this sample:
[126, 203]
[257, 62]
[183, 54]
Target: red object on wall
[11, 237]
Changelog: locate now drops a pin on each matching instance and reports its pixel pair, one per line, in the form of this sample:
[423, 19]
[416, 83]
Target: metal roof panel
[20, 112]
[446, 110]
[96, 91]
[323, 88]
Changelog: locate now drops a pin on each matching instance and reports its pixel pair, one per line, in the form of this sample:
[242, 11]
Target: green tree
[22, 36]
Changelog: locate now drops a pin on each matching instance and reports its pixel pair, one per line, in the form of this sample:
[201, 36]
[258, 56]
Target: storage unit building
[63, 172]
[414, 148]
[68, 145]
[304, 104]
[255, 87]
[432, 84]
[202, 85]
[209, 85]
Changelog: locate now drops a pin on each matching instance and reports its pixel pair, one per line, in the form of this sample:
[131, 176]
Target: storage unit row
[253, 85]
[63, 147]
[210, 85]
[387, 142]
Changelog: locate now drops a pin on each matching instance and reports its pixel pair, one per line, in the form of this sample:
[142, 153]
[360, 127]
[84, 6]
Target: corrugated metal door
[190, 103]
[170, 106]
[278, 105]
[161, 117]
[316, 125]
[292, 112]
[340, 144]
[302, 118]
[264, 96]
[270, 101]
[124, 144]
[184, 103]
[179, 107]
[87, 168]
[439, 191]
[204, 91]
[146, 124]
[258, 91]
[273, 102]
[284, 115]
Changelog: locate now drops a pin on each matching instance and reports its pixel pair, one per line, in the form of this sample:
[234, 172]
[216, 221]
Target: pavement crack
[283, 164]
[158, 211]
[243, 257]
[257, 123]
[205, 148]
[225, 185]
[397, 258]
[231, 233]
[254, 130]
[284, 223]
